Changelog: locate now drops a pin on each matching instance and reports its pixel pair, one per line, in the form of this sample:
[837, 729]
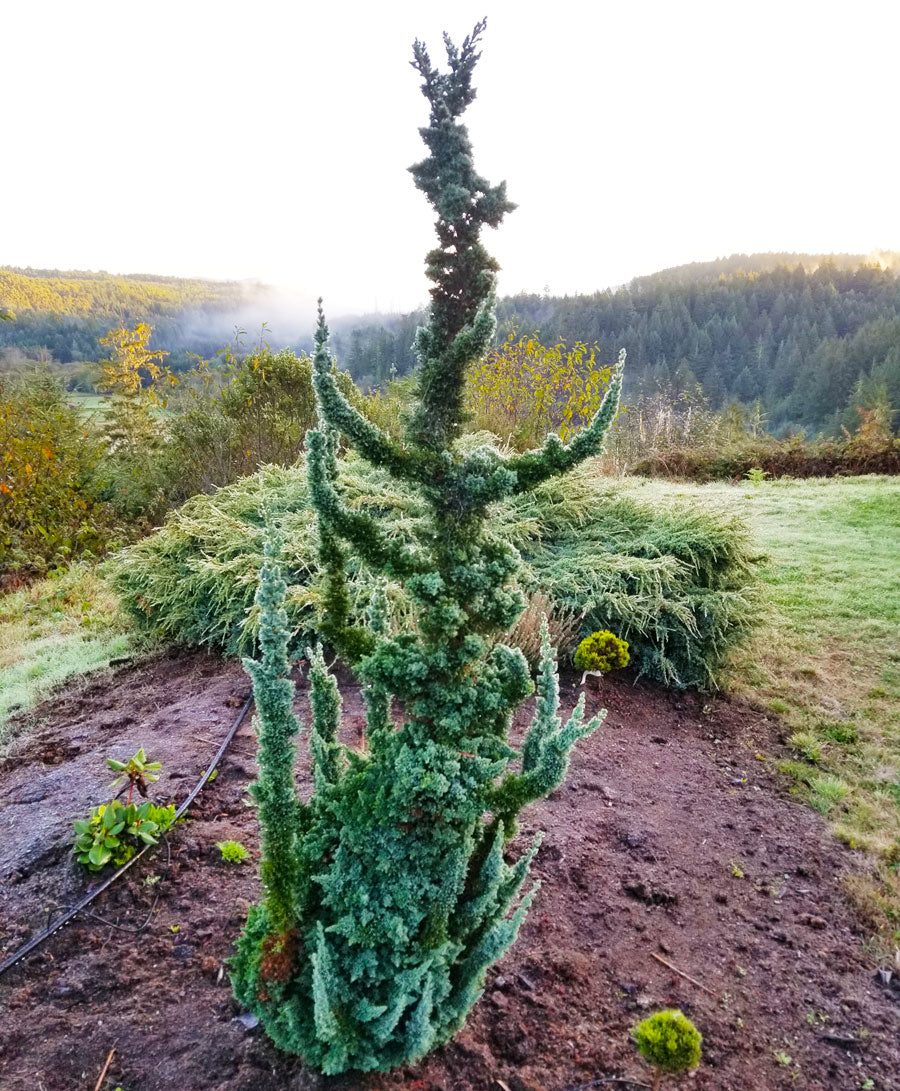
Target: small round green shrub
[669, 1041]
[602, 651]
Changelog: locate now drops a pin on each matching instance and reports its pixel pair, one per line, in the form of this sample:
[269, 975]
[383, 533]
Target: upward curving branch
[363, 434]
[555, 457]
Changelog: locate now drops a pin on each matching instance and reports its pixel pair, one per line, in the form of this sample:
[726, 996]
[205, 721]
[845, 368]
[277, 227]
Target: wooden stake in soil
[681, 973]
[105, 1069]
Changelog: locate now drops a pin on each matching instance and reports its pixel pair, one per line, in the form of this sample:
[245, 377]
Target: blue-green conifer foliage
[387, 895]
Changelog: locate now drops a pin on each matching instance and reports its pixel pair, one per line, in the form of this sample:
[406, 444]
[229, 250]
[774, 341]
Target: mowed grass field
[96, 406]
[56, 629]
[826, 658]
[87, 403]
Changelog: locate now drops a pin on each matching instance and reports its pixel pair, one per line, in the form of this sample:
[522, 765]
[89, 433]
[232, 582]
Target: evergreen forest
[808, 337]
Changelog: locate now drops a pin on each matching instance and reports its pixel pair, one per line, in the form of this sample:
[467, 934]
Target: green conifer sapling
[387, 895]
[670, 1042]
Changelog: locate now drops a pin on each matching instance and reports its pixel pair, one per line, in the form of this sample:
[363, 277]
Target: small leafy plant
[116, 830]
[233, 852]
[668, 1041]
[139, 773]
[602, 651]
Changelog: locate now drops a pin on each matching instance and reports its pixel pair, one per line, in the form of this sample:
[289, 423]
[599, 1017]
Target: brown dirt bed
[663, 807]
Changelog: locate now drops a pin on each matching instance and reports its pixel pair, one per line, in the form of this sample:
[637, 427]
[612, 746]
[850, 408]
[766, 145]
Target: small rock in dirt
[524, 1083]
[248, 1020]
[658, 739]
[644, 891]
[884, 976]
[33, 796]
[183, 950]
[511, 1041]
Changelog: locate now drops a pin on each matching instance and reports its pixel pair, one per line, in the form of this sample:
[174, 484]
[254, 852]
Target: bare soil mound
[671, 848]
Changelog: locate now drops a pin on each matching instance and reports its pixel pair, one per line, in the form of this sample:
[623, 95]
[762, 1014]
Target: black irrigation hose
[609, 1079]
[35, 941]
[115, 924]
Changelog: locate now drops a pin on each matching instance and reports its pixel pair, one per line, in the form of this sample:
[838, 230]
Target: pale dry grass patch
[56, 629]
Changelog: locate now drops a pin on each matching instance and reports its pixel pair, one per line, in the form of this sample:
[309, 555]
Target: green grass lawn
[827, 657]
[96, 405]
[56, 629]
[87, 403]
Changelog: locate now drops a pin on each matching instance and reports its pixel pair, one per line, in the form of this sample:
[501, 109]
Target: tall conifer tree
[387, 896]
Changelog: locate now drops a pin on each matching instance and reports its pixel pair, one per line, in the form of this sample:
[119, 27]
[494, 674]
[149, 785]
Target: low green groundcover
[676, 580]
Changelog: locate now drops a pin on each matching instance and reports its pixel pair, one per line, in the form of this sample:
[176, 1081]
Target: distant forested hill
[799, 332]
[807, 335]
[65, 312]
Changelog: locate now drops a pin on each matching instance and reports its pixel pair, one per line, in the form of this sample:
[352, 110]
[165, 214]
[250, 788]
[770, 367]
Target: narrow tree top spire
[462, 271]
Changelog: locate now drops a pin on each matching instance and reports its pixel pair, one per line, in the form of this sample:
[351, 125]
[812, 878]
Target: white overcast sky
[271, 140]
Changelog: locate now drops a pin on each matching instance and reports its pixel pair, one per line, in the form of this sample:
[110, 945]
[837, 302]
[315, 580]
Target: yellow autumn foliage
[523, 390]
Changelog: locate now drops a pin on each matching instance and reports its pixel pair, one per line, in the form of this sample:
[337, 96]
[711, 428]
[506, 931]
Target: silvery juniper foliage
[387, 895]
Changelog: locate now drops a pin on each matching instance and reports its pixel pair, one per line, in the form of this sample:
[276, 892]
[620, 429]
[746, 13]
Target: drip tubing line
[35, 941]
[115, 924]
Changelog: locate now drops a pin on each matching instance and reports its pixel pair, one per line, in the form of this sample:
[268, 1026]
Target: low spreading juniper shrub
[675, 580]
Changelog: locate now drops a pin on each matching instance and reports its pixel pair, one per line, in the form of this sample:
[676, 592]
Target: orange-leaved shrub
[48, 462]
